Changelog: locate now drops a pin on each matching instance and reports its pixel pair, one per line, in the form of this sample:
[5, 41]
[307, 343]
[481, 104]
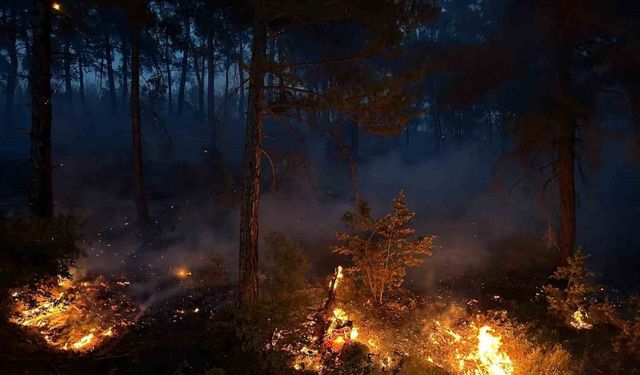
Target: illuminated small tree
[381, 248]
[574, 302]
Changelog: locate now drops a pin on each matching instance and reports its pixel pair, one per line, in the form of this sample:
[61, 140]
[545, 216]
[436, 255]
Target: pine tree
[381, 248]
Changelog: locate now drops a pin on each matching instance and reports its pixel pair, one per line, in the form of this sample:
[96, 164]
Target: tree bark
[12, 73]
[226, 86]
[81, 76]
[124, 84]
[211, 97]
[112, 83]
[354, 140]
[241, 81]
[565, 164]
[41, 199]
[185, 65]
[138, 186]
[199, 70]
[566, 184]
[68, 93]
[248, 288]
[168, 63]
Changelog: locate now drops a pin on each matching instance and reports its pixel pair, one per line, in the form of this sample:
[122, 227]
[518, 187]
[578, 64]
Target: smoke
[451, 191]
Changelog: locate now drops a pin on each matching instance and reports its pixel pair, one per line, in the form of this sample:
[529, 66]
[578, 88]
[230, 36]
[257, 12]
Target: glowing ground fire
[481, 354]
[75, 316]
[464, 349]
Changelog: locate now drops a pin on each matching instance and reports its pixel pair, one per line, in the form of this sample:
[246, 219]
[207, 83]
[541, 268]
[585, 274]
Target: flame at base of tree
[468, 351]
[579, 320]
[75, 316]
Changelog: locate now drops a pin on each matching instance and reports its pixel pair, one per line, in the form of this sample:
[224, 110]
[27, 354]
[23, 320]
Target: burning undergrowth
[76, 316]
[435, 335]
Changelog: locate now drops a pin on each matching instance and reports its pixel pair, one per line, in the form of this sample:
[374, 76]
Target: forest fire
[578, 320]
[477, 351]
[489, 357]
[460, 348]
[75, 316]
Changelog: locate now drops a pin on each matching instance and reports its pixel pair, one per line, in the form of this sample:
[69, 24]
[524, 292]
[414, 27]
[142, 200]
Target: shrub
[381, 249]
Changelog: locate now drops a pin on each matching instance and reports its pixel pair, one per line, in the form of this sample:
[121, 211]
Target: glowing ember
[56, 6]
[578, 320]
[354, 333]
[182, 273]
[83, 342]
[76, 316]
[339, 276]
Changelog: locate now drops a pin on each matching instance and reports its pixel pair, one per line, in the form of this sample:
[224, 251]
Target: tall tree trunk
[138, 186]
[168, 62]
[203, 64]
[185, 65]
[124, 84]
[68, 93]
[211, 97]
[241, 81]
[226, 86]
[81, 77]
[41, 199]
[199, 70]
[112, 83]
[169, 88]
[12, 73]
[248, 288]
[566, 185]
[565, 167]
[271, 51]
[354, 140]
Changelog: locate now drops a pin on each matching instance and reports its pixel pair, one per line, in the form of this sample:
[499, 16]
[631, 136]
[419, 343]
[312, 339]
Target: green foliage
[381, 248]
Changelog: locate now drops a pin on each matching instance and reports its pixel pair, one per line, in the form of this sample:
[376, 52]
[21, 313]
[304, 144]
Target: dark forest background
[488, 113]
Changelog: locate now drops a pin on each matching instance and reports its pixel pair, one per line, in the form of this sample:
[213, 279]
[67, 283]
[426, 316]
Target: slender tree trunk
[169, 88]
[226, 87]
[68, 93]
[12, 73]
[196, 70]
[211, 97]
[203, 64]
[241, 81]
[41, 199]
[566, 185]
[124, 84]
[248, 288]
[168, 62]
[185, 66]
[112, 83]
[81, 78]
[199, 69]
[271, 51]
[407, 136]
[138, 186]
[354, 139]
